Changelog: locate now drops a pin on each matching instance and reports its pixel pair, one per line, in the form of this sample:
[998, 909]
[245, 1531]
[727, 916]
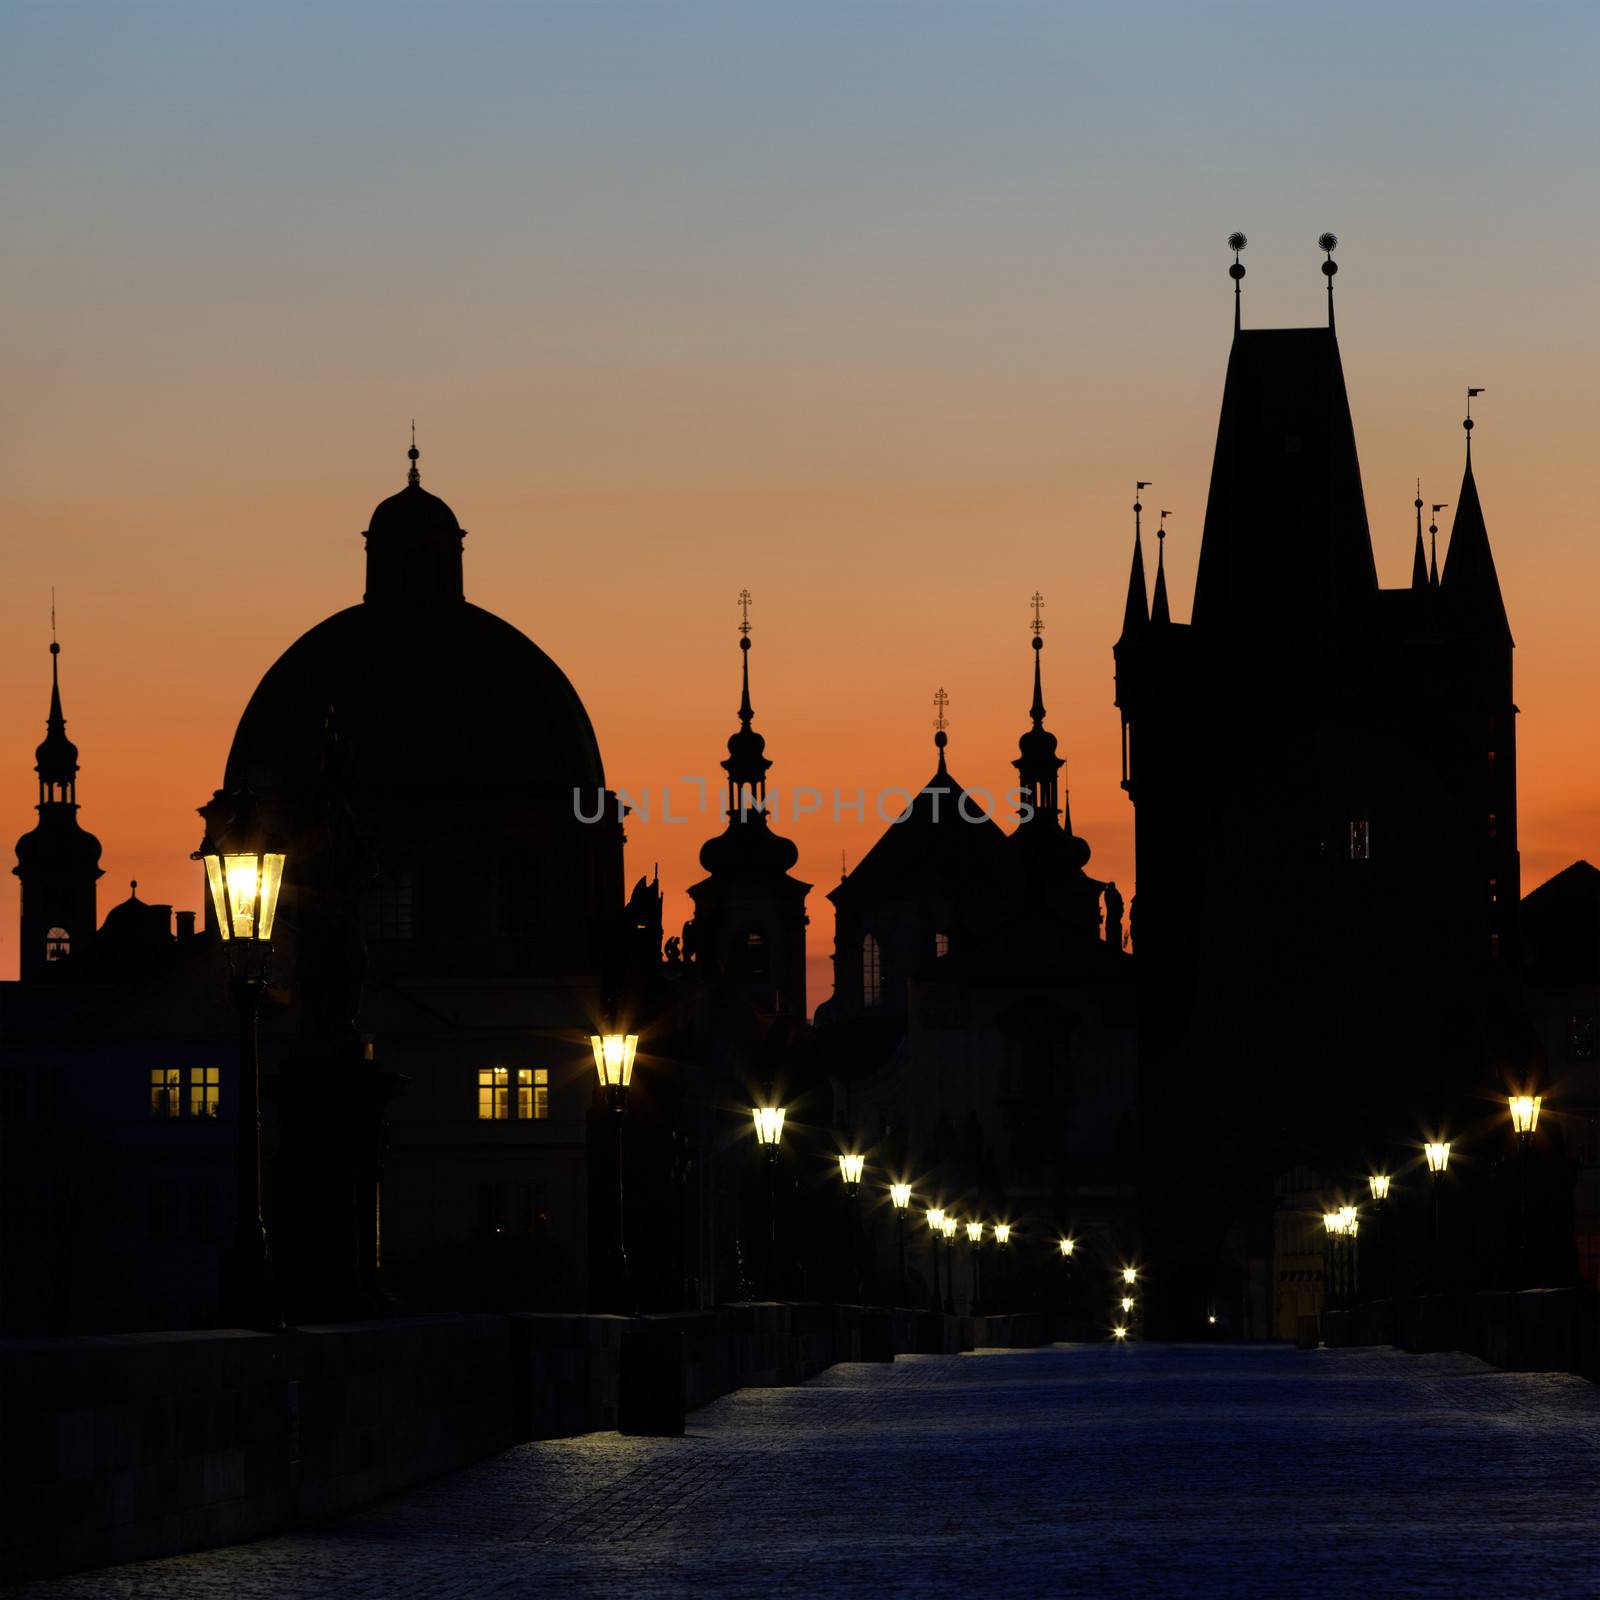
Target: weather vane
[744, 613]
[1161, 532]
[1472, 394]
[1037, 603]
[1329, 242]
[940, 701]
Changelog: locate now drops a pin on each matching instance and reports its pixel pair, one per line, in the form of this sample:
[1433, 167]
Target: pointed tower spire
[1136, 613]
[1419, 560]
[1038, 765]
[1236, 243]
[56, 760]
[1433, 544]
[1470, 587]
[1330, 243]
[1160, 611]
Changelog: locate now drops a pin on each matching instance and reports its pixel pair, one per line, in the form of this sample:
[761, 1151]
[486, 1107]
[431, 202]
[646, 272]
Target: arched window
[756, 961]
[941, 944]
[57, 944]
[871, 973]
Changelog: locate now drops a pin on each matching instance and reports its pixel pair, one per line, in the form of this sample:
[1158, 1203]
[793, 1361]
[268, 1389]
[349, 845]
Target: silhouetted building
[1324, 777]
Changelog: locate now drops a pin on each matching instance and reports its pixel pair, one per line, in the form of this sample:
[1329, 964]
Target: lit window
[57, 944]
[494, 1094]
[871, 973]
[941, 944]
[1494, 892]
[1360, 840]
[205, 1088]
[166, 1099]
[533, 1092]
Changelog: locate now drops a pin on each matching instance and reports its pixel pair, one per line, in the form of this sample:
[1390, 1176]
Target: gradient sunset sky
[878, 310]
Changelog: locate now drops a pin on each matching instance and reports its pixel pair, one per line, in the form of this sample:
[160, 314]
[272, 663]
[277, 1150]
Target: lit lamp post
[1002, 1237]
[244, 880]
[948, 1229]
[900, 1199]
[1378, 1184]
[851, 1166]
[1064, 1250]
[936, 1230]
[1524, 1118]
[1437, 1152]
[975, 1239]
[613, 1060]
[769, 1130]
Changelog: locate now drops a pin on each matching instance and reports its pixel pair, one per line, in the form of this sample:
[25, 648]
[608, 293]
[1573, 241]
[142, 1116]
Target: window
[57, 944]
[533, 1092]
[871, 973]
[756, 963]
[941, 944]
[494, 1094]
[1494, 891]
[389, 904]
[1494, 827]
[205, 1089]
[166, 1099]
[1360, 840]
[1491, 763]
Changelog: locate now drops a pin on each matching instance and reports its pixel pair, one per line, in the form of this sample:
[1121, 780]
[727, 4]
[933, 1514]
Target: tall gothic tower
[749, 913]
[1323, 775]
[58, 862]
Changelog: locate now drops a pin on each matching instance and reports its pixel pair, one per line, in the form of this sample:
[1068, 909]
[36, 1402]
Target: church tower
[58, 862]
[750, 918]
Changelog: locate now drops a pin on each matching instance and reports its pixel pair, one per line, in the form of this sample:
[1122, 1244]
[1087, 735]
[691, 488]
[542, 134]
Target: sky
[877, 310]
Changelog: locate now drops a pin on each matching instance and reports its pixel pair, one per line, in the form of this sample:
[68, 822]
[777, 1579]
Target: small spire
[941, 724]
[1236, 243]
[1330, 243]
[1036, 711]
[413, 477]
[1433, 541]
[1419, 563]
[1136, 613]
[1472, 394]
[1159, 609]
[745, 711]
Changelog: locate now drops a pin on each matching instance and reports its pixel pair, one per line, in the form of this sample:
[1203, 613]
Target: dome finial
[1036, 711]
[745, 711]
[1236, 243]
[1329, 242]
[413, 477]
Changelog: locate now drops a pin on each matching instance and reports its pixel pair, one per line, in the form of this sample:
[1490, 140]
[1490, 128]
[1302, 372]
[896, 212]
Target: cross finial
[1037, 625]
[940, 701]
[744, 613]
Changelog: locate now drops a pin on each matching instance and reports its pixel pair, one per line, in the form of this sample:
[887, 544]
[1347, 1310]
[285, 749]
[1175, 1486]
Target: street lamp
[936, 1228]
[1378, 1182]
[613, 1061]
[1524, 1118]
[1119, 1333]
[1437, 1153]
[900, 1199]
[1127, 1304]
[1002, 1237]
[975, 1239]
[948, 1228]
[769, 1130]
[851, 1166]
[1067, 1247]
[1064, 1247]
[245, 874]
[1130, 1274]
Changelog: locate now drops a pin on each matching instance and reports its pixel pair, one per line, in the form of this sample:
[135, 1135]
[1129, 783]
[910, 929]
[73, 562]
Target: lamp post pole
[244, 872]
[935, 1234]
[1437, 1153]
[900, 1198]
[769, 1130]
[1524, 1118]
[613, 1061]
[851, 1167]
[1065, 1248]
[949, 1229]
[975, 1239]
[1002, 1237]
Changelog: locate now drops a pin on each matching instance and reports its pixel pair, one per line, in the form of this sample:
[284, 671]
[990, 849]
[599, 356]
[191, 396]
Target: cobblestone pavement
[1147, 1471]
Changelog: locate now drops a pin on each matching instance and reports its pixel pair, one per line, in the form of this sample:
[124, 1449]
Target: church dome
[413, 510]
[453, 698]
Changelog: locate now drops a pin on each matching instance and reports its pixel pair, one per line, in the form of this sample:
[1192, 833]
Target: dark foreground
[1076, 1470]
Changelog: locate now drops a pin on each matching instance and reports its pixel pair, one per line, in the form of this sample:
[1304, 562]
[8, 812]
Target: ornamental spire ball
[1236, 243]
